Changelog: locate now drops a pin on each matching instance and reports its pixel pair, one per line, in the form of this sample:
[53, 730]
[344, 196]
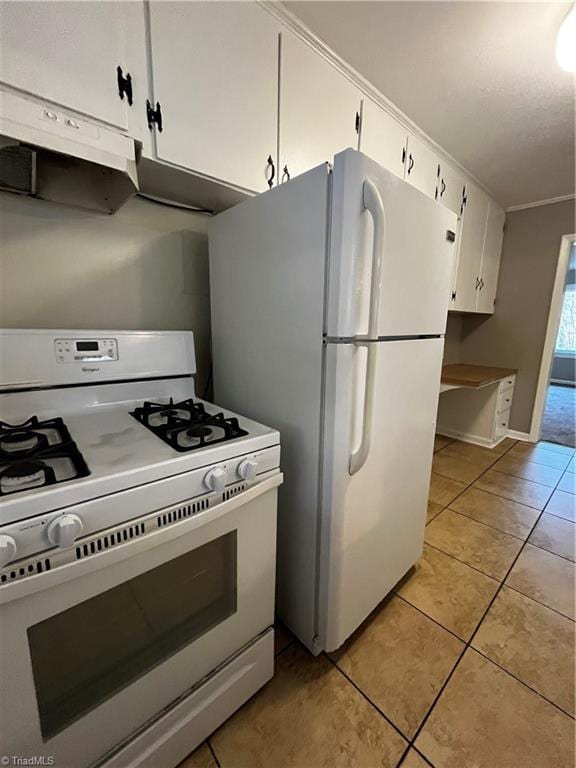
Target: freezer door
[373, 520]
[416, 258]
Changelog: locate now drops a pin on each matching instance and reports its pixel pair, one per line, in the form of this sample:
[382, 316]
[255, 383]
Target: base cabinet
[479, 416]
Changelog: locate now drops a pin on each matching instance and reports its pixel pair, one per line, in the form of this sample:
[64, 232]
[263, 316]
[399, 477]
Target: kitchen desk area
[475, 402]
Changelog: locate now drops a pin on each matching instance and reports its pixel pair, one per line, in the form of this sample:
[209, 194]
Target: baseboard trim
[524, 436]
[468, 438]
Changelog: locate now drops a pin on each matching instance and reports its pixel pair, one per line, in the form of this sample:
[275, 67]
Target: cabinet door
[68, 53]
[451, 183]
[318, 108]
[215, 75]
[383, 138]
[471, 246]
[491, 258]
[421, 167]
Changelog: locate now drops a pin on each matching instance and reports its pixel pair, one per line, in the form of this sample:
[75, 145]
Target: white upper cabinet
[491, 258]
[451, 183]
[383, 138]
[68, 53]
[319, 108]
[472, 232]
[421, 166]
[215, 77]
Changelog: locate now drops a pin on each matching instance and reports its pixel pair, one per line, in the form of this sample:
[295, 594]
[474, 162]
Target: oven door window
[84, 655]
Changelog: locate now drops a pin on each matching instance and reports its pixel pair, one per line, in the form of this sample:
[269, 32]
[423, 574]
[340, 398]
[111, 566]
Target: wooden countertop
[473, 376]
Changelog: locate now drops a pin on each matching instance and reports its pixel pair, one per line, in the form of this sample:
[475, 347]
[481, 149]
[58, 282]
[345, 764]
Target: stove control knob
[64, 530]
[8, 550]
[215, 480]
[247, 470]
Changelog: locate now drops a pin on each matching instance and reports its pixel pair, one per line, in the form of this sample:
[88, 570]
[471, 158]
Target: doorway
[555, 407]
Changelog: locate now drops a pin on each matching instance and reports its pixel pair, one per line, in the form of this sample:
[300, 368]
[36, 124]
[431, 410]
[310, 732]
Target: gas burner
[37, 453]
[187, 425]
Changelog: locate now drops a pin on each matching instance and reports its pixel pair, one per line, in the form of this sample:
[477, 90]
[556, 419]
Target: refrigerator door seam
[366, 340]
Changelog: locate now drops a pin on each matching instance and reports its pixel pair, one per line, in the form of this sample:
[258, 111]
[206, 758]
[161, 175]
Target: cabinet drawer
[502, 420]
[507, 383]
[504, 401]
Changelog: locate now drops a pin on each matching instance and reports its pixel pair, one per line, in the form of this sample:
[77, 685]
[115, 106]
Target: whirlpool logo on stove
[86, 369]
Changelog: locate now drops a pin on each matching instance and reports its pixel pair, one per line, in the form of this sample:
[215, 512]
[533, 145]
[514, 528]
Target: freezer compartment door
[373, 519]
[416, 243]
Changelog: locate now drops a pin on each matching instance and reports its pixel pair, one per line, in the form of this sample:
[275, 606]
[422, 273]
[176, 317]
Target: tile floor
[469, 663]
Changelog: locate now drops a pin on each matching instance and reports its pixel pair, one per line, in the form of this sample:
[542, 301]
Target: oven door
[91, 650]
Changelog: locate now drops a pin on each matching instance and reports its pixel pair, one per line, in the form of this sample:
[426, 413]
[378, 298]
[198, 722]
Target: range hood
[47, 153]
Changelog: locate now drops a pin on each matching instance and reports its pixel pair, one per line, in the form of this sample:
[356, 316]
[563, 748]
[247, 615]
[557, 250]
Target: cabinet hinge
[154, 116]
[124, 84]
[357, 122]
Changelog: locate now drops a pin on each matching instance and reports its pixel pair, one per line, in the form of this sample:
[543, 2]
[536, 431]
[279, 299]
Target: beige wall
[146, 267]
[452, 348]
[514, 335]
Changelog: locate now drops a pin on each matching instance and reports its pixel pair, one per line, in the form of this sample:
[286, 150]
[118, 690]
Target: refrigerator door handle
[373, 203]
[358, 458]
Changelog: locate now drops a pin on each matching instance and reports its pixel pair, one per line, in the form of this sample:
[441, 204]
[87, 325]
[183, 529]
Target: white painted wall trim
[538, 203]
[296, 25]
[468, 437]
[524, 436]
[551, 335]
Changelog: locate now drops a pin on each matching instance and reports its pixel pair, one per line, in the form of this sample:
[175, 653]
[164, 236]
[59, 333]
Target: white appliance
[48, 152]
[137, 550]
[329, 299]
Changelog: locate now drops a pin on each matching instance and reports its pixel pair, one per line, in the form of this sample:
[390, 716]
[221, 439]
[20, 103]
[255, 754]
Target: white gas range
[137, 549]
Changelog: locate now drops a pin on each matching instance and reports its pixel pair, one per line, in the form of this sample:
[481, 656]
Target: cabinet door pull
[403, 155]
[270, 178]
[357, 122]
[285, 174]
[410, 162]
[442, 187]
[481, 283]
[477, 283]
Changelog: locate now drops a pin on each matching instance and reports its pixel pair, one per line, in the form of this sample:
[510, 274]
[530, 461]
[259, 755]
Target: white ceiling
[480, 78]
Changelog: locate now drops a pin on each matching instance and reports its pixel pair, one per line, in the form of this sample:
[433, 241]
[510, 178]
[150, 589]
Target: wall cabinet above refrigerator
[215, 85]
[319, 109]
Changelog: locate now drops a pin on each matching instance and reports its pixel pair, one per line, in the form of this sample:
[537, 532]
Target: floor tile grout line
[213, 753]
[499, 495]
[453, 557]
[450, 631]
[538, 602]
[488, 525]
[480, 522]
[468, 644]
[365, 696]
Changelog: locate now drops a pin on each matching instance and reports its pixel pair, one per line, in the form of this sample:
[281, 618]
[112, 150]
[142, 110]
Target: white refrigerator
[329, 298]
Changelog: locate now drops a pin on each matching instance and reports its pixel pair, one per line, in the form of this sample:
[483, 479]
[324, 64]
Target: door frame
[550, 338]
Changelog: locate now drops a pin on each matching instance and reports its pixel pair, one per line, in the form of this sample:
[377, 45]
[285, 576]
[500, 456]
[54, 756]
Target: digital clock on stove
[85, 350]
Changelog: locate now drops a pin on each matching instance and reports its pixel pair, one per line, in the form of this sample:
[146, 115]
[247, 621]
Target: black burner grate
[186, 425]
[36, 454]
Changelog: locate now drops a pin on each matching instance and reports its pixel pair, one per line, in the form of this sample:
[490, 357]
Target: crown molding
[538, 203]
[297, 26]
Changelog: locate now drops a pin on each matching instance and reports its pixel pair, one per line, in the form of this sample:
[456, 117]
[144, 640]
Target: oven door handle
[156, 538]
